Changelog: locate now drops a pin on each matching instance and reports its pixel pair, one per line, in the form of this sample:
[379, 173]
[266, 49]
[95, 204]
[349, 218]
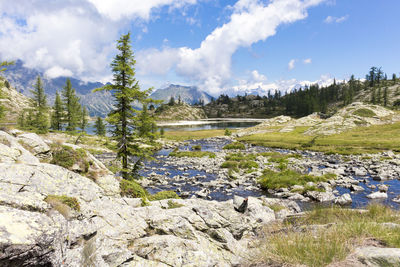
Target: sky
[220, 46]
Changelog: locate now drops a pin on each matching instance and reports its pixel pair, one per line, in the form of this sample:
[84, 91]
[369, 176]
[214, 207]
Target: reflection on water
[207, 126]
[212, 126]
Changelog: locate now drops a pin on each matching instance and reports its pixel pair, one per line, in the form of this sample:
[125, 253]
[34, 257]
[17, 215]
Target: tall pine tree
[126, 91]
[40, 109]
[57, 116]
[84, 119]
[71, 106]
[99, 127]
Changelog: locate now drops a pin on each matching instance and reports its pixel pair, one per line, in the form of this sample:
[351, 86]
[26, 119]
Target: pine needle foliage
[127, 123]
[57, 115]
[71, 106]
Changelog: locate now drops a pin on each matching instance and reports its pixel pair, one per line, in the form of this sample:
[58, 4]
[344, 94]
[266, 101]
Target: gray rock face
[31, 140]
[344, 199]
[110, 230]
[376, 257]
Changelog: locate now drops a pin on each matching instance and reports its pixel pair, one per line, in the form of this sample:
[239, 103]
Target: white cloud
[331, 19]
[210, 64]
[58, 71]
[70, 37]
[284, 86]
[118, 9]
[307, 61]
[291, 64]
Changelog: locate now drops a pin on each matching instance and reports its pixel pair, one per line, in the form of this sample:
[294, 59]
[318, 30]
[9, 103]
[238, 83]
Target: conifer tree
[385, 96]
[123, 119]
[57, 116]
[100, 128]
[40, 108]
[71, 106]
[84, 119]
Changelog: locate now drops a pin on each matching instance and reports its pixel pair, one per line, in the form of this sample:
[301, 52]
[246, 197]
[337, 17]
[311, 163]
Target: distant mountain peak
[188, 94]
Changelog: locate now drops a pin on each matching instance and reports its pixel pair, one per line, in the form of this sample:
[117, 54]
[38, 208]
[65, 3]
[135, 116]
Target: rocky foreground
[110, 230]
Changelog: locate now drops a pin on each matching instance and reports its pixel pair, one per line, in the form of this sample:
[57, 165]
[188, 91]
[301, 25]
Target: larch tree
[71, 106]
[40, 108]
[100, 128]
[123, 119]
[84, 118]
[57, 115]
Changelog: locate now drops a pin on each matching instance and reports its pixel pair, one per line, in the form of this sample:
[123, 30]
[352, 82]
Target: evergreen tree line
[304, 101]
[66, 114]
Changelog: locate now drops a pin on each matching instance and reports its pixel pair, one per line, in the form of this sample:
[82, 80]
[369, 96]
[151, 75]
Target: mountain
[23, 79]
[189, 94]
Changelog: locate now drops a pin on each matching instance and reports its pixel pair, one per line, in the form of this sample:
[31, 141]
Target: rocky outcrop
[109, 230]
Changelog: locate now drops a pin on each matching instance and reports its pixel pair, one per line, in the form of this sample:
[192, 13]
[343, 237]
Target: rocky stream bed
[360, 178]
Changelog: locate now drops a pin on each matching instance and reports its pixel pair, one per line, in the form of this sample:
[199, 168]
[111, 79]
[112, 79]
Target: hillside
[23, 79]
[179, 113]
[188, 94]
[304, 101]
[12, 100]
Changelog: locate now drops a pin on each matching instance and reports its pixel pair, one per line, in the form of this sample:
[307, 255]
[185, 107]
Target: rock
[35, 144]
[12, 151]
[356, 188]
[321, 196]
[375, 256]
[377, 195]
[344, 199]
[240, 203]
[396, 199]
[383, 188]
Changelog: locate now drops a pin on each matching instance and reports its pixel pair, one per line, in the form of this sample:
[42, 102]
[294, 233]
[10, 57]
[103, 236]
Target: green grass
[235, 145]
[133, 189]
[163, 195]
[238, 161]
[364, 112]
[372, 139]
[283, 243]
[192, 154]
[196, 147]
[71, 202]
[189, 135]
[287, 178]
[174, 205]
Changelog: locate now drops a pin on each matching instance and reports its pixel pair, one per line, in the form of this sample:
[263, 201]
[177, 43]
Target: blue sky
[218, 45]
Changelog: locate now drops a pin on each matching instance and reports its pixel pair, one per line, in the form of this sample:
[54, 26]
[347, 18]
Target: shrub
[235, 145]
[66, 157]
[63, 204]
[227, 132]
[163, 195]
[229, 165]
[364, 112]
[132, 189]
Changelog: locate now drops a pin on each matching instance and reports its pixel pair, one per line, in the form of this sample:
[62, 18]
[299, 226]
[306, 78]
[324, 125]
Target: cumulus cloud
[117, 9]
[70, 37]
[307, 61]
[291, 64]
[331, 19]
[250, 86]
[251, 21]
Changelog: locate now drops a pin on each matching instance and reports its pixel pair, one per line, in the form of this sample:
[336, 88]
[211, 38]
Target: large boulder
[12, 151]
[376, 257]
[35, 144]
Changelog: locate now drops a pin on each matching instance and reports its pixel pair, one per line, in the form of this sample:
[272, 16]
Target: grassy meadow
[359, 140]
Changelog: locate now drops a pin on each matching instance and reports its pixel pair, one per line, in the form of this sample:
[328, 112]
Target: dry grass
[326, 235]
[371, 139]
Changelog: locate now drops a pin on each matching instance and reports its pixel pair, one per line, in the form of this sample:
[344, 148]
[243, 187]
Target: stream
[190, 178]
